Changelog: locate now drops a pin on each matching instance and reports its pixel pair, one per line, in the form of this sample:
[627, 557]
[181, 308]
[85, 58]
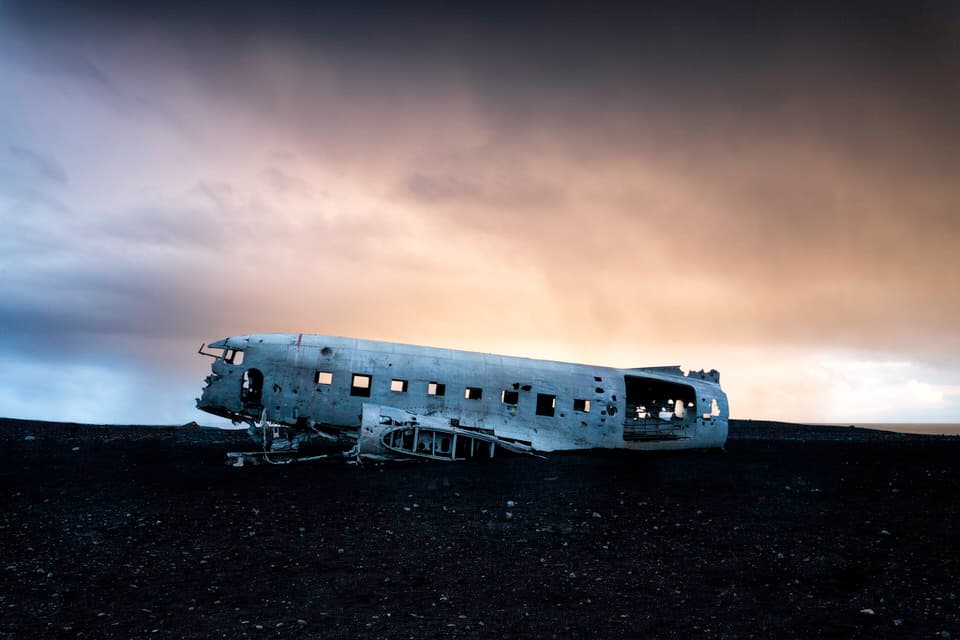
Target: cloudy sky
[772, 192]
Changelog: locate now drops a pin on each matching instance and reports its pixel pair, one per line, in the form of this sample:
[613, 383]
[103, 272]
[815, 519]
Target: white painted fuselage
[306, 388]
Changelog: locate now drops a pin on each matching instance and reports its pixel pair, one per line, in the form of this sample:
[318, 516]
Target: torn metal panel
[389, 432]
[299, 393]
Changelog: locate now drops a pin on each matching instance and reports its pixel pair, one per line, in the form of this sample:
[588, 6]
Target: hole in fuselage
[251, 387]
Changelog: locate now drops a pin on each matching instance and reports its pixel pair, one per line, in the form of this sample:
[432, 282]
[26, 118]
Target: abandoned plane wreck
[301, 393]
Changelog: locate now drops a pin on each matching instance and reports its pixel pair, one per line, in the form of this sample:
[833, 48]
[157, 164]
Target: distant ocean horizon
[929, 428]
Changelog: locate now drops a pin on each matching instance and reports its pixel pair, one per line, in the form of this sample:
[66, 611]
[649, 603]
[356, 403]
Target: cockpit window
[233, 356]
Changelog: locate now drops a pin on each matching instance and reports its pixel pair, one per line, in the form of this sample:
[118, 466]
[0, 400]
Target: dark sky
[764, 189]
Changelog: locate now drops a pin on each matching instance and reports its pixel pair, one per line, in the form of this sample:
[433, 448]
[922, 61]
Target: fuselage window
[361, 385]
[400, 386]
[473, 393]
[581, 405]
[436, 389]
[714, 410]
[546, 404]
[323, 377]
[509, 397]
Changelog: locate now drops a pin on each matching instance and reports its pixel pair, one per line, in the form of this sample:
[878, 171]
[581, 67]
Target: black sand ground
[793, 532]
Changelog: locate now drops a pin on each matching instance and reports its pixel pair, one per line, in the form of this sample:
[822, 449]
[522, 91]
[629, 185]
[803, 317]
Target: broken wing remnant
[384, 400]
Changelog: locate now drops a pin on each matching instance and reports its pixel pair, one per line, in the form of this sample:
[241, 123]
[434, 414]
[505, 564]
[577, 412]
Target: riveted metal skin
[295, 389]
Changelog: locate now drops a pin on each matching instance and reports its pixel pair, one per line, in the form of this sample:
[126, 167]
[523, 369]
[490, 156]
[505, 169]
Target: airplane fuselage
[312, 386]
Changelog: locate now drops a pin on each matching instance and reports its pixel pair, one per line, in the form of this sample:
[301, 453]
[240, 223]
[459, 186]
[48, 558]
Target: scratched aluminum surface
[303, 385]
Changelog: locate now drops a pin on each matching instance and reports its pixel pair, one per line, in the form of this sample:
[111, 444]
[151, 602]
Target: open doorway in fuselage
[251, 388]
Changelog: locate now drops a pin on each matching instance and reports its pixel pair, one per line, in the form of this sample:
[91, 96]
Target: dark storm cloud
[681, 69]
[553, 41]
[825, 132]
[705, 175]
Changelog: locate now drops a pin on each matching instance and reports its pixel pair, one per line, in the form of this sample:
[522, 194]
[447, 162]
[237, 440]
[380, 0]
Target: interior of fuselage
[656, 406]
